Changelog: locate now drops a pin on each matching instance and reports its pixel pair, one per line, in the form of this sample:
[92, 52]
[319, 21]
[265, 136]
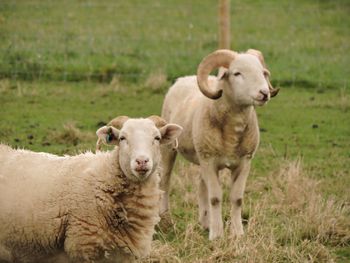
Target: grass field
[306, 41]
[68, 67]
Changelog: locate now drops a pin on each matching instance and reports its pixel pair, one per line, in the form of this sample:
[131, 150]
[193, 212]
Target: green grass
[67, 67]
[45, 107]
[299, 124]
[304, 41]
[310, 124]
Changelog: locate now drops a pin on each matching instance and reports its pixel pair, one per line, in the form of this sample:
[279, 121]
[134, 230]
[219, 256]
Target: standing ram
[85, 208]
[220, 129]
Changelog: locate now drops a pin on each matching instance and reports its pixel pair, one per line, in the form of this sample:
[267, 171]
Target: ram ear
[107, 135]
[223, 73]
[170, 133]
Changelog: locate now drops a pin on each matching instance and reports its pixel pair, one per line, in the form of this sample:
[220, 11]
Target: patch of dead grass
[115, 86]
[5, 85]
[289, 221]
[156, 81]
[71, 135]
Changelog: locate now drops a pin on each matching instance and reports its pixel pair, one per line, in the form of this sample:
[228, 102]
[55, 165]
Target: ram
[220, 129]
[86, 208]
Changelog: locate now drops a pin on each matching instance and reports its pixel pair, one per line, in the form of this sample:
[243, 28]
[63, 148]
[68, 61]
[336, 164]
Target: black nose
[265, 94]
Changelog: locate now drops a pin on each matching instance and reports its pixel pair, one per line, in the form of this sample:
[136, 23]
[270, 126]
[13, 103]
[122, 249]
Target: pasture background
[67, 67]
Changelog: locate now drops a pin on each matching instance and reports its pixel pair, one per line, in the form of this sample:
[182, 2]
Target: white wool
[219, 131]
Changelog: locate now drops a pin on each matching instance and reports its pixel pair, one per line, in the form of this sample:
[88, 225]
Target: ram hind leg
[168, 160]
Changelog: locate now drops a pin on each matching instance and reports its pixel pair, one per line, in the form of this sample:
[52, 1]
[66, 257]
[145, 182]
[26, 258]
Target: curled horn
[260, 56]
[217, 59]
[158, 121]
[273, 91]
[116, 123]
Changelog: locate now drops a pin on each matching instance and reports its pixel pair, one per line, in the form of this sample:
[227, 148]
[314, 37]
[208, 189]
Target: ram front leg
[210, 175]
[239, 178]
[203, 204]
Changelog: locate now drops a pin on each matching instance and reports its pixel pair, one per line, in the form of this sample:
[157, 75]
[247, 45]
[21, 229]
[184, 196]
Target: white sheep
[220, 129]
[86, 208]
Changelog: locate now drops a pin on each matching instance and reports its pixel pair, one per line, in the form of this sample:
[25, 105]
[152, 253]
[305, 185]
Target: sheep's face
[246, 81]
[139, 143]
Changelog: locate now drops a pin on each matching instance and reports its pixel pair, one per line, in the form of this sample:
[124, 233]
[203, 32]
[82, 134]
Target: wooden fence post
[224, 24]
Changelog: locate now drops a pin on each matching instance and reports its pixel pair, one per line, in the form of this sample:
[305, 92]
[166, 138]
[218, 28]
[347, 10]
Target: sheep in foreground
[220, 129]
[86, 208]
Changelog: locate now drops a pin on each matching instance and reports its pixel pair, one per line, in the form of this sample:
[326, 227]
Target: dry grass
[156, 81]
[115, 86]
[17, 88]
[5, 85]
[344, 101]
[70, 135]
[289, 221]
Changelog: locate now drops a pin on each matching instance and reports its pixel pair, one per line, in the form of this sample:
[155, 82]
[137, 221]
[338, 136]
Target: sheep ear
[170, 133]
[108, 135]
[222, 73]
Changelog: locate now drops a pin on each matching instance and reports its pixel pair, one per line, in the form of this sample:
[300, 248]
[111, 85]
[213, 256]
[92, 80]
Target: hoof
[216, 231]
[236, 234]
[204, 221]
[214, 236]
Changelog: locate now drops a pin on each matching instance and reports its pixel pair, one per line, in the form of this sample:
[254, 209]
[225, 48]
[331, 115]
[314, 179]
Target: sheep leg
[239, 178]
[210, 175]
[168, 160]
[203, 204]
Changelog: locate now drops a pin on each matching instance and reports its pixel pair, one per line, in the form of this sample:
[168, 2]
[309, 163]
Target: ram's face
[248, 81]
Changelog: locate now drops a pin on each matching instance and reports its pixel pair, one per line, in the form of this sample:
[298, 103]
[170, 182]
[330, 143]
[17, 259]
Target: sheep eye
[157, 138]
[237, 74]
[122, 138]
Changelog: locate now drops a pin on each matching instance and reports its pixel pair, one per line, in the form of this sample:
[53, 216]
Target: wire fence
[99, 40]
